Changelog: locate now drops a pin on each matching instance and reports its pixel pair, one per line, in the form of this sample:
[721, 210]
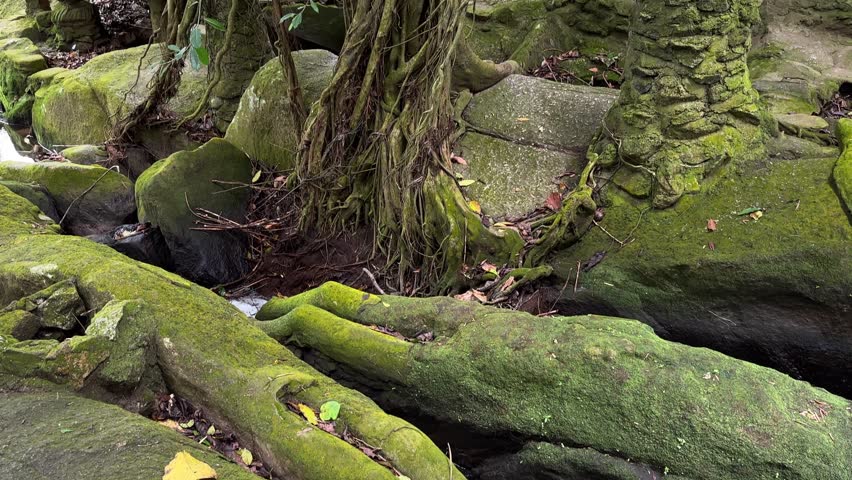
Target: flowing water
[7, 148]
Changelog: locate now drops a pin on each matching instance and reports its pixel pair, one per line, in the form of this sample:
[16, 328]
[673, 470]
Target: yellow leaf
[523, 119]
[171, 424]
[466, 183]
[309, 414]
[475, 206]
[246, 456]
[186, 467]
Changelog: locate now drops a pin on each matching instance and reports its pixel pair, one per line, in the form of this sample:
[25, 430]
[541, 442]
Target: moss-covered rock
[91, 198]
[263, 126]
[80, 107]
[19, 58]
[36, 194]
[76, 25]
[61, 435]
[537, 112]
[590, 381]
[17, 22]
[166, 193]
[513, 179]
[58, 306]
[208, 353]
[529, 30]
[85, 154]
[777, 290]
[843, 168]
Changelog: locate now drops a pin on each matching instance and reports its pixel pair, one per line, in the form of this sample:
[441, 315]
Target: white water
[249, 304]
[7, 148]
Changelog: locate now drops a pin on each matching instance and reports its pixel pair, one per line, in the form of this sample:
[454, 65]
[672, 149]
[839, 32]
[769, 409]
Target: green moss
[843, 169]
[263, 126]
[61, 435]
[209, 353]
[601, 382]
[80, 107]
[19, 58]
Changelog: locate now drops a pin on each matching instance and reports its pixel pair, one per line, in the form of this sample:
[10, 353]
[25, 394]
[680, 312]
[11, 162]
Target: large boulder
[61, 435]
[16, 21]
[773, 287]
[263, 126]
[19, 58]
[526, 138]
[81, 106]
[92, 199]
[167, 192]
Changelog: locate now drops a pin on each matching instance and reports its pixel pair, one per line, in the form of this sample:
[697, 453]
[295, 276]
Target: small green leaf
[749, 210]
[179, 55]
[194, 60]
[215, 23]
[466, 183]
[174, 48]
[256, 176]
[315, 6]
[297, 20]
[203, 55]
[246, 456]
[196, 37]
[287, 17]
[211, 430]
[188, 424]
[65, 430]
[329, 411]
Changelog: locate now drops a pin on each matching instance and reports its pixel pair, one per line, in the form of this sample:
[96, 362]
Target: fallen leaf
[594, 69]
[507, 284]
[246, 456]
[712, 246]
[466, 183]
[309, 414]
[211, 431]
[711, 225]
[554, 201]
[458, 159]
[523, 119]
[186, 467]
[488, 267]
[475, 206]
[256, 176]
[188, 424]
[748, 211]
[329, 410]
[756, 215]
[171, 424]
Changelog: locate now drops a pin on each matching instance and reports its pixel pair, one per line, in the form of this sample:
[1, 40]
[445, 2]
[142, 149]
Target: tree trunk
[687, 105]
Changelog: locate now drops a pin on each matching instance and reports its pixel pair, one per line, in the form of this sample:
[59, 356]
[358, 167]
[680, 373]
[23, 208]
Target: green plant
[296, 17]
[196, 51]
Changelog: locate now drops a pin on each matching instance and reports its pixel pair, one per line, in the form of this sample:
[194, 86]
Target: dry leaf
[458, 159]
[711, 225]
[523, 119]
[172, 425]
[466, 183]
[475, 206]
[594, 69]
[756, 215]
[309, 414]
[186, 467]
[488, 267]
[507, 284]
[554, 201]
[712, 246]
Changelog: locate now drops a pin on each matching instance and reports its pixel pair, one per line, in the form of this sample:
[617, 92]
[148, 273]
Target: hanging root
[376, 146]
[175, 22]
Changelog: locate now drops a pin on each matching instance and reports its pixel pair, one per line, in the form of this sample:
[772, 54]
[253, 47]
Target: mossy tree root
[605, 383]
[151, 329]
